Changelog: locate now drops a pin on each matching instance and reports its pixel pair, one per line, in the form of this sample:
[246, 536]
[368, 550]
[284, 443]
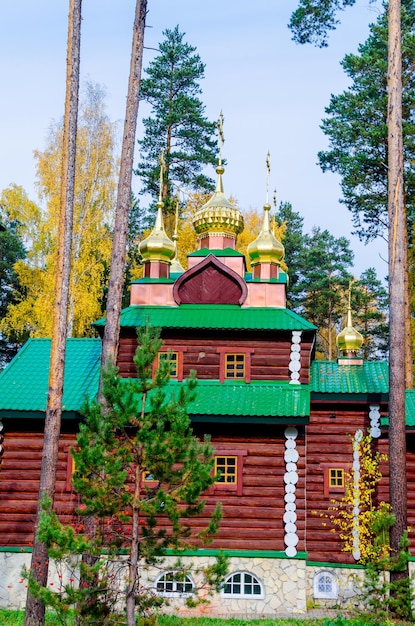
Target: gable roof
[24, 382]
[212, 316]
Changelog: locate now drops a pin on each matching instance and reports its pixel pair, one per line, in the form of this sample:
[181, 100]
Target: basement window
[242, 585]
[173, 584]
[325, 586]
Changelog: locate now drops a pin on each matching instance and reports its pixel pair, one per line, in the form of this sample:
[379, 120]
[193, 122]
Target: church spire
[266, 252]
[157, 249]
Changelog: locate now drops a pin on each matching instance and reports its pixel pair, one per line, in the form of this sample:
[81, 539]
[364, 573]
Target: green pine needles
[140, 473]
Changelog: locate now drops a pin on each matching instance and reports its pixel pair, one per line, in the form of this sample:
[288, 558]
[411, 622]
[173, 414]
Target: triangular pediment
[210, 282]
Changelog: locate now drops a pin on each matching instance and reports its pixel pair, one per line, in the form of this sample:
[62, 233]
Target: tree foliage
[313, 20]
[177, 125]
[91, 242]
[11, 251]
[370, 314]
[357, 128]
[140, 472]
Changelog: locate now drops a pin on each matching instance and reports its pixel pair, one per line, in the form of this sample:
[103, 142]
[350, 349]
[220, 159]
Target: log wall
[19, 480]
[251, 520]
[270, 356]
[329, 442]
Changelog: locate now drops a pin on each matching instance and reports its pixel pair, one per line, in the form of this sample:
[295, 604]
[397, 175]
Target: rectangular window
[173, 357]
[336, 477]
[235, 366]
[226, 469]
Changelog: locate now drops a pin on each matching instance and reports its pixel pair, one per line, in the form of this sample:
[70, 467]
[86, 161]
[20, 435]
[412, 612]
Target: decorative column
[356, 494]
[295, 357]
[374, 416]
[290, 481]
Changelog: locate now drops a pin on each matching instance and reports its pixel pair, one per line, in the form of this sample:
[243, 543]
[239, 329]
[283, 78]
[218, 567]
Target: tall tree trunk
[397, 258]
[119, 246]
[35, 610]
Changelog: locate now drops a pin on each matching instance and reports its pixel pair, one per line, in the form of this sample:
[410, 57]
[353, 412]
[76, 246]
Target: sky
[272, 92]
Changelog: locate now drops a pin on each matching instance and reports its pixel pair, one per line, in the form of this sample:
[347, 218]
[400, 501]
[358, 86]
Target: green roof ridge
[222, 252]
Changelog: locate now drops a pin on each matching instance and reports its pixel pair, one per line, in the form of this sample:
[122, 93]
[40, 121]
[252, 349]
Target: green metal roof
[24, 382]
[225, 252]
[331, 378]
[410, 408]
[212, 316]
[149, 281]
[258, 400]
[23, 388]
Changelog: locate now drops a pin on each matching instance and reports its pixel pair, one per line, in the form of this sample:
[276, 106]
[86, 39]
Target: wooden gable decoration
[210, 282]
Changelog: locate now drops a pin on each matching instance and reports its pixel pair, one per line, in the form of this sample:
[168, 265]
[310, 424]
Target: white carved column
[290, 481]
[295, 357]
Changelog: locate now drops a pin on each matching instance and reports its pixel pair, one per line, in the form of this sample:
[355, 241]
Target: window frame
[237, 486]
[333, 594]
[174, 593]
[332, 489]
[179, 362]
[243, 583]
[227, 351]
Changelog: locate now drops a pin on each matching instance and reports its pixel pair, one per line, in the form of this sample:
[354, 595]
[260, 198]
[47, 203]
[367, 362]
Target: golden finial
[162, 164]
[268, 164]
[274, 199]
[221, 136]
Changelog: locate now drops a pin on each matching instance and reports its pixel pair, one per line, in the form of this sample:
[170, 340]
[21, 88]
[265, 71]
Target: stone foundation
[288, 586]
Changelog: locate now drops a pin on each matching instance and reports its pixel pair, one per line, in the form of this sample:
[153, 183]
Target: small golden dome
[157, 246]
[349, 340]
[266, 248]
[218, 215]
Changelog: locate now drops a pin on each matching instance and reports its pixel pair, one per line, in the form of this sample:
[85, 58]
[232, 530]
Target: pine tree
[141, 473]
[11, 250]
[356, 125]
[369, 307]
[322, 285]
[294, 241]
[177, 125]
[310, 23]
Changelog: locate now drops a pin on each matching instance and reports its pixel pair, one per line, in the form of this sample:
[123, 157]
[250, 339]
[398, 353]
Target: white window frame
[332, 594]
[174, 593]
[243, 595]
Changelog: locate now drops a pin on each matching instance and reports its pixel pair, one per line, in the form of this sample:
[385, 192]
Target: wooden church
[282, 424]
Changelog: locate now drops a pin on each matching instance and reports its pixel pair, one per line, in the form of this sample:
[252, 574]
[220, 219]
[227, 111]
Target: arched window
[325, 585]
[174, 584]
[242, 585]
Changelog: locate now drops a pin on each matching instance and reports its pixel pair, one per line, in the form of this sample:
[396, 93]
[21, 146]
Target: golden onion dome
[157, 246]
[266, 248]
[349, 340]
[218, 215]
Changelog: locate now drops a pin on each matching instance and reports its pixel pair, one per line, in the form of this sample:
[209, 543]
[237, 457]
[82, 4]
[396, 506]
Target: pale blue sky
[272, 92]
